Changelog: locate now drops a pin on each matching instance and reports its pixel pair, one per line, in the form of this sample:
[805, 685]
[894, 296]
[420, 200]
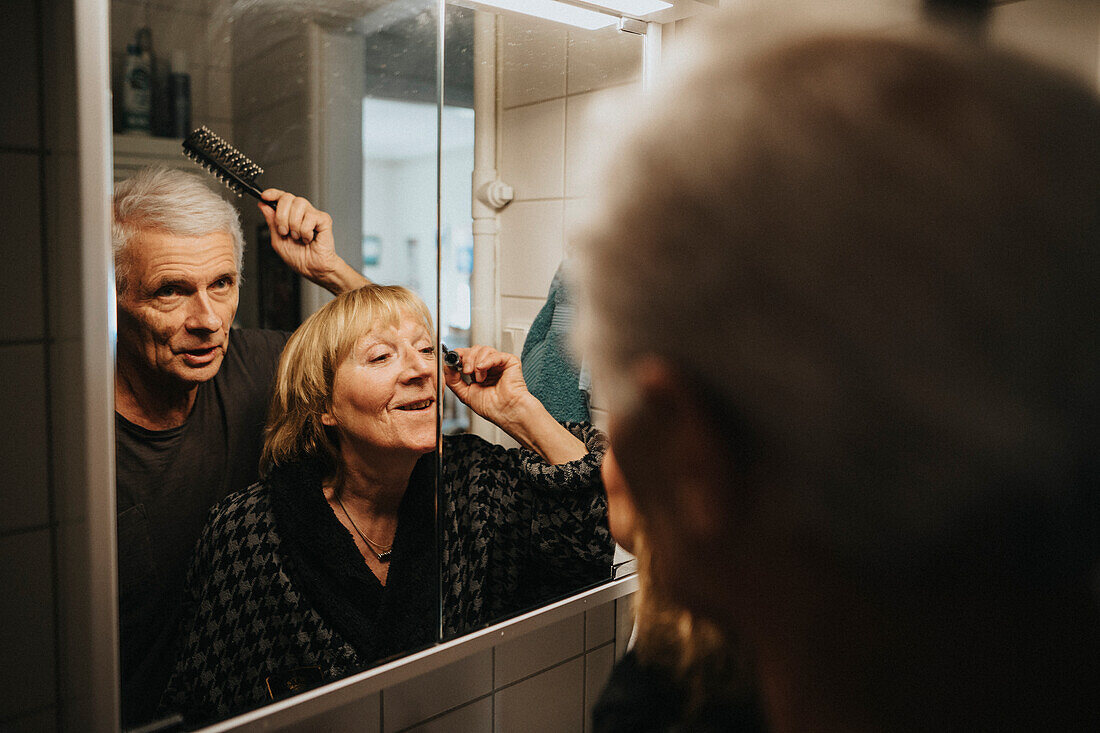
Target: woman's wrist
[533, 427]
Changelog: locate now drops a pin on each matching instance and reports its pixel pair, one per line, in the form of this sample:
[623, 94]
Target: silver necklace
[383, 552]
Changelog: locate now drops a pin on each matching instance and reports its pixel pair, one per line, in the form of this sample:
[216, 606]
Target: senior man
[189, 410]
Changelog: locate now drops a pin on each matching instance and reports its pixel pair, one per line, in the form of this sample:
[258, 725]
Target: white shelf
[133, 152]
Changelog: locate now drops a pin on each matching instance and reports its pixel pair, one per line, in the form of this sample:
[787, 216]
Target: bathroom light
[555, 11]
[635, 8]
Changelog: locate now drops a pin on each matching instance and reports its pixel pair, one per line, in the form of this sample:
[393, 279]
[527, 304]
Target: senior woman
[842, 297]
[329, 563]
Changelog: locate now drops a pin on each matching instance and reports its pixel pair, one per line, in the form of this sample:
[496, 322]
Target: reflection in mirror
[302, 578]
[521, 526]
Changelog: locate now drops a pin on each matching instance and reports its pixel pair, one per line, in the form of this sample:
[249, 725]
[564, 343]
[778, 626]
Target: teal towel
[548, 368]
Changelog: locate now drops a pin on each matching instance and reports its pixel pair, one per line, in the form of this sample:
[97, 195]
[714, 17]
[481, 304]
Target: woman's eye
[428, 350]
[379, 358]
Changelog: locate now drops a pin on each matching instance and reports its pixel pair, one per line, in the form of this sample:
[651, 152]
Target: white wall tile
[430, 694]
[361, 716]
[599, 625]
[592, 123]
[477, 717]
[624, 623]
[23, 476]
[533, 150]
[530, 247]
[42, 721]
[602, 58]
[26, 624]
[551, 702]
[623, 562]
[19, 82]
[59, 86]
[63, 250]
[578, 212]
[21, 313]
[534, 60]
[538, 650]
[517, 312]
[597, 670]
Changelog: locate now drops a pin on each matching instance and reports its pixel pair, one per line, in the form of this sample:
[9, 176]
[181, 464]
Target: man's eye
[428, 350]
[222, 283]
[167, 291]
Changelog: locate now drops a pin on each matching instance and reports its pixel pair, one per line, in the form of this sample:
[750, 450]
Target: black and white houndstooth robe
[277, 584]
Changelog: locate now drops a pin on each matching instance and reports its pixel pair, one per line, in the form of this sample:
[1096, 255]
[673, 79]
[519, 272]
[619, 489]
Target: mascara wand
[224, 162]
[451, 358]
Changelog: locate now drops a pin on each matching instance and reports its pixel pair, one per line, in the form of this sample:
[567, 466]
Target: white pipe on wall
[489, 195]
[484, 317]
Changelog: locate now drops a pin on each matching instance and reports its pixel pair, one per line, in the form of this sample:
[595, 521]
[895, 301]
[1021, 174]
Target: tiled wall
[44, 623]
[551, 81]
[545, 681]
[28, 646]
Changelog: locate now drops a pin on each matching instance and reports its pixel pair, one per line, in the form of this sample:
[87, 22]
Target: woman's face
[383, 395]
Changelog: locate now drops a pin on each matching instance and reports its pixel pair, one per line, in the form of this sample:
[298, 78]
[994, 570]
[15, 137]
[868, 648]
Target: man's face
[174, 318]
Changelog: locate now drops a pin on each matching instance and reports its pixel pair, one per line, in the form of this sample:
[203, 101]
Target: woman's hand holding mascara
[497, 392]
[301, 235]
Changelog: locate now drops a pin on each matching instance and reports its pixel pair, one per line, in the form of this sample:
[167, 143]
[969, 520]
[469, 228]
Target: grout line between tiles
[446, 712]
[24, 149]
[27, 714]
[29, 529]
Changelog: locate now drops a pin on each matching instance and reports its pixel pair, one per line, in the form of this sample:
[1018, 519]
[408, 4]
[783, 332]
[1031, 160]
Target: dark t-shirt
[167, 481]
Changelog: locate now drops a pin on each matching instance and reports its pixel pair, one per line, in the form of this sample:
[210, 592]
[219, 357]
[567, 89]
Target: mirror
[535, 84]
[339, 101]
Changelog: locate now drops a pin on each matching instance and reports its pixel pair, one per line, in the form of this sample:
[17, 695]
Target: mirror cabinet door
[527, 103]
[337, 101]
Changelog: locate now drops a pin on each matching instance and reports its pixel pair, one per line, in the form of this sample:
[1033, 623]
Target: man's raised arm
[302, 236]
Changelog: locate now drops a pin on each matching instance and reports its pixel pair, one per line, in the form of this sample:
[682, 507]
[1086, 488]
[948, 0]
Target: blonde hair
[172, 201]
[707, 661]
[307, 369]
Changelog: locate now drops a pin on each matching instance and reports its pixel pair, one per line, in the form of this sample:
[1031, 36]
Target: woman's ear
[673, 457]
[328, 420]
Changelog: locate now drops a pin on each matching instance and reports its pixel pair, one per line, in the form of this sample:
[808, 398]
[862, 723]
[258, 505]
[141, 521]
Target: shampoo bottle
[137, 91]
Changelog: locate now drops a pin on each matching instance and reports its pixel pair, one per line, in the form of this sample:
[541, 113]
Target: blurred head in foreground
[842, 299]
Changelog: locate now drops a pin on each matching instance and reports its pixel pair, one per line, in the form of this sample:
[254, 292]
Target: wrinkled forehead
[155, 251]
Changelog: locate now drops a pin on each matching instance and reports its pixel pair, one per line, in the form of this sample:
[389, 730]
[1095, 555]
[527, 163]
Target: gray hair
[877, 251]
[172, 201]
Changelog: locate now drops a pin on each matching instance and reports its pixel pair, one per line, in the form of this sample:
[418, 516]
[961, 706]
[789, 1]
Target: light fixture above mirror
[575, 15]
